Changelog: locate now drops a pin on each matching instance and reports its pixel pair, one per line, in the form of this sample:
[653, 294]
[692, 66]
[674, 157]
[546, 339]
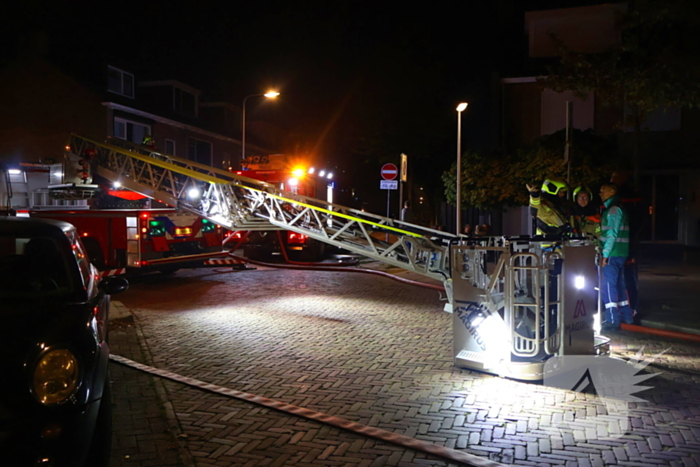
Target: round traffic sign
[389, 171]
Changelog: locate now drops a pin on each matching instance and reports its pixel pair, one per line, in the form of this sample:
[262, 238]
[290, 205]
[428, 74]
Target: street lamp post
[269, 95]
[460, 109]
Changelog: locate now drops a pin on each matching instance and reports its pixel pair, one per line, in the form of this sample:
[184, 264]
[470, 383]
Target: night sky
[361, 81]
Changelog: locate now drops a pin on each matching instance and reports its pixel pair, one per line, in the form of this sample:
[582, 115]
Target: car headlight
[56, 377]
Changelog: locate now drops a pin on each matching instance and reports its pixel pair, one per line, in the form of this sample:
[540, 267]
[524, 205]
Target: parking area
[371, 351]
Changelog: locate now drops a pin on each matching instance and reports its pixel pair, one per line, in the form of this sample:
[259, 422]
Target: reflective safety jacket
[615, 231]
[550, 220]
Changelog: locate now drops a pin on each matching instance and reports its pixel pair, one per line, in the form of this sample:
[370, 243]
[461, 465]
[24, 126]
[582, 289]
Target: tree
[494, 180]
[656, 67]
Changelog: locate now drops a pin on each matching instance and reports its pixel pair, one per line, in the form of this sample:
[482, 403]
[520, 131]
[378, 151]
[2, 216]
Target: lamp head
[271, 94]
[462, 106]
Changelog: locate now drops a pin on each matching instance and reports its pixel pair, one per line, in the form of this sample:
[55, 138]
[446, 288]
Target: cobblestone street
[372, 351]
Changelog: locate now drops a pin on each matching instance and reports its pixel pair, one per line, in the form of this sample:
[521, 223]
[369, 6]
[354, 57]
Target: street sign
[388, 184]
[389, 171]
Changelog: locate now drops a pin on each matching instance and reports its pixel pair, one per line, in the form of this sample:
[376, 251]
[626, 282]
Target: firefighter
[614, 245]
[548, 207]
[149, 142]
[586, 219]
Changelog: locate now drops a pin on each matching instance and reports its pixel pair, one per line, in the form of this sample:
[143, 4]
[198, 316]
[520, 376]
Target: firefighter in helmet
[548, 206]
[586, 218]
[149, 142]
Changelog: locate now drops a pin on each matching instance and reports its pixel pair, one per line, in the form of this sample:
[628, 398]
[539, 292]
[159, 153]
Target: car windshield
[32, 267]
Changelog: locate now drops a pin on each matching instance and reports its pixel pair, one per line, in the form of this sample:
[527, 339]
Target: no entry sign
[389, 171]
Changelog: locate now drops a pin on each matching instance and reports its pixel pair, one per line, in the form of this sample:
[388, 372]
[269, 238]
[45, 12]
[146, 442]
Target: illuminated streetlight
[460, 109]
[269, 95]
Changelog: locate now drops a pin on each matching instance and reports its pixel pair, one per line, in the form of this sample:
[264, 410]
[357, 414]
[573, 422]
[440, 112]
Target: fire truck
[519, 307]
[293, 175]
[123, 231]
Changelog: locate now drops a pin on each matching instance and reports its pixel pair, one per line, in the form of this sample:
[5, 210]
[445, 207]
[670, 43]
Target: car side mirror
[114, 285]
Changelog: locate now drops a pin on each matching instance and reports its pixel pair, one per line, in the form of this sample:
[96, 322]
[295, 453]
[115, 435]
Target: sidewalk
[669, 293]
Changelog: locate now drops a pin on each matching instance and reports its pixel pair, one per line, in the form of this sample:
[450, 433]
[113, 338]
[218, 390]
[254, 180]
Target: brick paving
[369, 350]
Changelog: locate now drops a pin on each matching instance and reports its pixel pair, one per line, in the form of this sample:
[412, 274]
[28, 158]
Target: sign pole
[388, 197]
[388, 172]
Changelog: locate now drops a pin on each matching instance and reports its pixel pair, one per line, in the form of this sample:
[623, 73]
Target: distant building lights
[311, 170]
[298, 173]
[330, 175]
[322, 173]
[293, 182]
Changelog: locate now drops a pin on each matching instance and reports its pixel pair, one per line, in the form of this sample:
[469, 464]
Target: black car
[55, 405]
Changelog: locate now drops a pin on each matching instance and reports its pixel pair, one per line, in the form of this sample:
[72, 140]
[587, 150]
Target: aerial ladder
[515, 303]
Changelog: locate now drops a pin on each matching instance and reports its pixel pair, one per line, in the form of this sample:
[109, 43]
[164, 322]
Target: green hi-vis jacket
[615, 230]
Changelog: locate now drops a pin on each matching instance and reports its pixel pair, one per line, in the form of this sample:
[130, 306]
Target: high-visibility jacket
[615, 231]
[550, 220]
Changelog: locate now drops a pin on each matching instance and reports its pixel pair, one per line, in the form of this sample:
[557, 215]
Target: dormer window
[184, 102]
[120, 82]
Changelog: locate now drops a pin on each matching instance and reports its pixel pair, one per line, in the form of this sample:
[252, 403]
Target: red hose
[661, 332]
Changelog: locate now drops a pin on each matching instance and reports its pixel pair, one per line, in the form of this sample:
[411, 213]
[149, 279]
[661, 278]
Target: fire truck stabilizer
[515, 303]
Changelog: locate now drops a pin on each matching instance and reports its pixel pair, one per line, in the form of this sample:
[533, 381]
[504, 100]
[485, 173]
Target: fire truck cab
[296, 176]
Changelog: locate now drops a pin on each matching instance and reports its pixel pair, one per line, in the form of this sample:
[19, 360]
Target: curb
[162, 393]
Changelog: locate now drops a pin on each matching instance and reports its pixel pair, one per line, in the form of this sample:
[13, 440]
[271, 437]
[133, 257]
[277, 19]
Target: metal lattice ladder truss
[240, 203]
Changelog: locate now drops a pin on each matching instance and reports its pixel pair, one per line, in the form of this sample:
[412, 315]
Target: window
[170, 147]
[199, 151]
[130, 131]
[184, 102]
[120, 82]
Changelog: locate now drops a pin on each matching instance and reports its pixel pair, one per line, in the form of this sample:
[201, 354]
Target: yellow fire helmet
[553, 187]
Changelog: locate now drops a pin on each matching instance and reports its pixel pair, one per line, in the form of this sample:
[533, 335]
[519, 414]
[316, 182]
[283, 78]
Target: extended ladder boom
[240, 203]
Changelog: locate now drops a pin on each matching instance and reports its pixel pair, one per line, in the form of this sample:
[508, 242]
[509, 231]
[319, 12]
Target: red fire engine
[126, 232]
[131, 240]
[293, 175]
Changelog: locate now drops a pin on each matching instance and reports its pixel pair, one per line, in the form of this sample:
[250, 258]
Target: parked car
[55, 405]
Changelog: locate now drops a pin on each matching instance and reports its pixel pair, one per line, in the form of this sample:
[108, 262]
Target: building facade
[43, 105]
